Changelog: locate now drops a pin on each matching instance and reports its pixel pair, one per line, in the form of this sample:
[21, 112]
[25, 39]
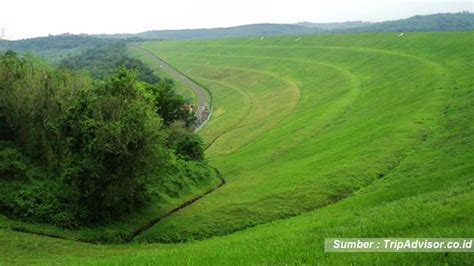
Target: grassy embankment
[360, 135]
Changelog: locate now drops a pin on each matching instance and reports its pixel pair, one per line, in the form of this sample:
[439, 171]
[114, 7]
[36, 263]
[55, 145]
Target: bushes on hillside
[12, 163]
[101, 61]
[77, 152]
[187, 145]
[170, 105]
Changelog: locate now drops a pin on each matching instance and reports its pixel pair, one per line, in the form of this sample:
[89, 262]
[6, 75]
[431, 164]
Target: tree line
[76, 150]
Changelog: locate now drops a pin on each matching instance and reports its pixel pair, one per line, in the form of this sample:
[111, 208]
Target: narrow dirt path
[203, 112]
[183, 205]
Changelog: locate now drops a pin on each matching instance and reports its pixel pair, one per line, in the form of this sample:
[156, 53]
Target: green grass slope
[328, 121]
[360, 135]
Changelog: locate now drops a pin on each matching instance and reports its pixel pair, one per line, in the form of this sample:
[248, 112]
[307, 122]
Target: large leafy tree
[169, 105]
[74, 151]
[116, 145]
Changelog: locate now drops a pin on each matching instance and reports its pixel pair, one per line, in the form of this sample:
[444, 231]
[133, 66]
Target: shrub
[12, 163]
[187, 145]
[78, 152]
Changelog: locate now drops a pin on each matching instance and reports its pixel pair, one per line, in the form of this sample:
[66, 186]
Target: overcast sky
[29, 18]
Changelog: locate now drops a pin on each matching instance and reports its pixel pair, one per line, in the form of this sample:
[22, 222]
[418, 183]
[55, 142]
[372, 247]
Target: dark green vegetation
[102, 60]
[54, 48]
[350, 135]
[436, 22]
[74, 152]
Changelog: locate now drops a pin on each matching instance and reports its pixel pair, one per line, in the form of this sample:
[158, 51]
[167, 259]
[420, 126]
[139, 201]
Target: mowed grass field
[353, 135]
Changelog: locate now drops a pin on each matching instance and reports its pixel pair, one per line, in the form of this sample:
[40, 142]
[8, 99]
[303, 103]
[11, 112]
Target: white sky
[29, 18]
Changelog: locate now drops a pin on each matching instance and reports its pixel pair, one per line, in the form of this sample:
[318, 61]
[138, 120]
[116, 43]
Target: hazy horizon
[27, 19]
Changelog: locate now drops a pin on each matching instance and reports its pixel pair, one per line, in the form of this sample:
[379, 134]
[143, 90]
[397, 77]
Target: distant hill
[238, 31]
[436, 22]
[57, 47]
[335, 25]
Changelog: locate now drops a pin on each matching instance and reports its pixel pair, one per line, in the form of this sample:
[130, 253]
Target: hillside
[335, 25]
[435, 22]
[338, 135]
[238, 31]
[53, 47]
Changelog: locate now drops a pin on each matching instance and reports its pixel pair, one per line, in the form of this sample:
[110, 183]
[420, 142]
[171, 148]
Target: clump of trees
[103, 59]
[63, 42]
[74, 151]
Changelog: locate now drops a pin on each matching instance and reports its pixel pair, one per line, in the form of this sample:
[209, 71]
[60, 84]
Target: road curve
[202, 113]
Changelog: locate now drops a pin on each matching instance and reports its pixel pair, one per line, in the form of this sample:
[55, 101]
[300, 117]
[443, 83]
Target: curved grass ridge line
[354, 77]
[407, 154]
[355, 49]
[410, 149]
[438, 67]
[358, 49]
[185, 204]
[238, 125]
[244, 92]
[198, 89]
[241, 91]
[356, 89]
[410, 152]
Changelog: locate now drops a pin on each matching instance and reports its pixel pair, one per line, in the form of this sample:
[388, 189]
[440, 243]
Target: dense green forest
[53, 48]
[101, 60]
[63, 41]
[77, 151]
